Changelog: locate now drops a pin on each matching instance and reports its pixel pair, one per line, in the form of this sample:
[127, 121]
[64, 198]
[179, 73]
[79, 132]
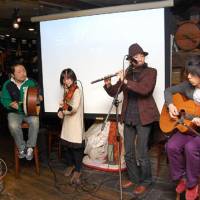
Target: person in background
[72, 134]
[12, 96]
[183, 150]
[139, 111]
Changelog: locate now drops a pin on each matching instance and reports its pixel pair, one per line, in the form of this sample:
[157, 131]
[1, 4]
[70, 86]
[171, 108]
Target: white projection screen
[95, 46]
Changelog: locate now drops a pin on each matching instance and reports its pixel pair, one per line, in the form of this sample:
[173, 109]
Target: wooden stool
[160, 151]
[16, 154]
[54, 138]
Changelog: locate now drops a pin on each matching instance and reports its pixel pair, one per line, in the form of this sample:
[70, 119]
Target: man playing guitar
[183, 149]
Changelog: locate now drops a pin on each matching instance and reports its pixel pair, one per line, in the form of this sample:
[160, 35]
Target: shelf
[179, 58]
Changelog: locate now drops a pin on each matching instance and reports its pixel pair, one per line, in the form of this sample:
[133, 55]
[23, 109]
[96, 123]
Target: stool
[16, 154]
[54, 138]
[160, 151]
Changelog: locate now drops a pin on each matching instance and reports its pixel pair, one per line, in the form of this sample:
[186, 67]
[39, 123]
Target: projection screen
[95, 46]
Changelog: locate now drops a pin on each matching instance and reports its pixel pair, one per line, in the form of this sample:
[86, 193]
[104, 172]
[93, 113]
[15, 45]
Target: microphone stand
[116, 103]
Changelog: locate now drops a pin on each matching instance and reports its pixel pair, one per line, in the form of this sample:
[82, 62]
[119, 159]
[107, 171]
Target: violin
[68, 96]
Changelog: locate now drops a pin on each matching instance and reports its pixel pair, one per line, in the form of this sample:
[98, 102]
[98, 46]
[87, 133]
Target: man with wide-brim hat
[139, 112]
[135, 49]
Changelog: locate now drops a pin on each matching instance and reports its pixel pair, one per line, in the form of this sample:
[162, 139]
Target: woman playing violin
[71, 111]
[184, 149]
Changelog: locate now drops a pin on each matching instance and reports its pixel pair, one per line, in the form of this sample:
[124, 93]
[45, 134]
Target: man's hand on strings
[196, 121]
[173, 111]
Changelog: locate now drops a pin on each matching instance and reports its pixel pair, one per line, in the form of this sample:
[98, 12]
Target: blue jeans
[136, 153]
[14, 124]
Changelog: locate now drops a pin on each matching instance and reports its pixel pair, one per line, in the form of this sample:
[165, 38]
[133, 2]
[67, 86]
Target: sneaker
[193, 193]
[29, 154]
[22, 154]
[181, 187]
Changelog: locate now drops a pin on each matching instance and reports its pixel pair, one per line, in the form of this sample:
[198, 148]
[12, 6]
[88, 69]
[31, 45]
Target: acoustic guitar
[188, 109]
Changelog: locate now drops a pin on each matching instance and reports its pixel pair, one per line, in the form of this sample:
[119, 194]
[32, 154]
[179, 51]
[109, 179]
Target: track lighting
[16, 18]
[15, 25]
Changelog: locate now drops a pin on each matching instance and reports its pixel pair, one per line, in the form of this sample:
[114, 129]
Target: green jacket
[10, 92]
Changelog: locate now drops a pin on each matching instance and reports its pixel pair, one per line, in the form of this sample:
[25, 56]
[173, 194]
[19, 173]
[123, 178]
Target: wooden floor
[52, 185]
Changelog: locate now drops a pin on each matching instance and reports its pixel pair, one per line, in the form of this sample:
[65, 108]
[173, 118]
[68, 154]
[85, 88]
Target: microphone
[105, 77]
[131, 59]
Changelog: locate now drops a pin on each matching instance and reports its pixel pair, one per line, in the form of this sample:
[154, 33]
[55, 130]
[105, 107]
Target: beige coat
[73, 126]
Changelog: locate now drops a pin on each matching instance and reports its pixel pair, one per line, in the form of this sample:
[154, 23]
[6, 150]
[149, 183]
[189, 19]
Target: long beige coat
[73, 126]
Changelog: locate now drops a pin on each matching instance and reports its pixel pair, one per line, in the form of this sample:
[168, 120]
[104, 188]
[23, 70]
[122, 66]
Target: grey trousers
[136, 153]
[14, 124]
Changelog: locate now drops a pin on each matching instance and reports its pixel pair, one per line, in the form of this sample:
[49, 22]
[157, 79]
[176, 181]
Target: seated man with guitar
[12, 96]
[183, 147]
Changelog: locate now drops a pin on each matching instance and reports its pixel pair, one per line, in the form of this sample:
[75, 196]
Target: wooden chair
[17, 159]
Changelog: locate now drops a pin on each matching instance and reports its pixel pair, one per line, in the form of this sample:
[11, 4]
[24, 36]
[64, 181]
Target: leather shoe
[139, 190]
[126, 184]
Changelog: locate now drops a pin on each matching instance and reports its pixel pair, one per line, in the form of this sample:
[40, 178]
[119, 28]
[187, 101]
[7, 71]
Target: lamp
[15, 24]
[16, 18]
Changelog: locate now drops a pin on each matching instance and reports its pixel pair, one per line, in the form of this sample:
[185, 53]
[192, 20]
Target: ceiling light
[18, 19]
[31, 29]
[2, 37]
[24, 41]
[15, 25]
[13, 40]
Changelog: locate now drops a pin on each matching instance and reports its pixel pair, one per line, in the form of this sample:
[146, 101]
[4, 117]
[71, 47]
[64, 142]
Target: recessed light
[15, 25]
[31, 29]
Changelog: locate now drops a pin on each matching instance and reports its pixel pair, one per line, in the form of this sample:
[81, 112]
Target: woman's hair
[193, 65]
[69, 73]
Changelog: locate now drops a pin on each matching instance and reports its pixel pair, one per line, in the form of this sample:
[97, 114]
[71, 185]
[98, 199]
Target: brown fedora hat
[135, 49]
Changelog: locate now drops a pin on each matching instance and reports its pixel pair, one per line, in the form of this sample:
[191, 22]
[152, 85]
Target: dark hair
[69, 73]
[16, 63]
[193, 65]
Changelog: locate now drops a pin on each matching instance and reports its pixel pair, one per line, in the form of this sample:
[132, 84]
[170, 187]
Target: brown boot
[69, 171]
[76, 178]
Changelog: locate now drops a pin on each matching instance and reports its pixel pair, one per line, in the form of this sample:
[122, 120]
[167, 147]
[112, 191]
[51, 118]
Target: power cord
[85, 187]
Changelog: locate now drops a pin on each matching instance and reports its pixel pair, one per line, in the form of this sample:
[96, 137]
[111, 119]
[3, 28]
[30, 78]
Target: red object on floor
[193, 193]
[181, 187]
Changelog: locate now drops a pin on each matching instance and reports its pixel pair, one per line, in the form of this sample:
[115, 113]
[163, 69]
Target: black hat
[135, 49]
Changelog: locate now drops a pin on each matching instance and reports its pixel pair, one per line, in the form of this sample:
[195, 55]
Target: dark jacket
[142, 87]
[185, 88]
